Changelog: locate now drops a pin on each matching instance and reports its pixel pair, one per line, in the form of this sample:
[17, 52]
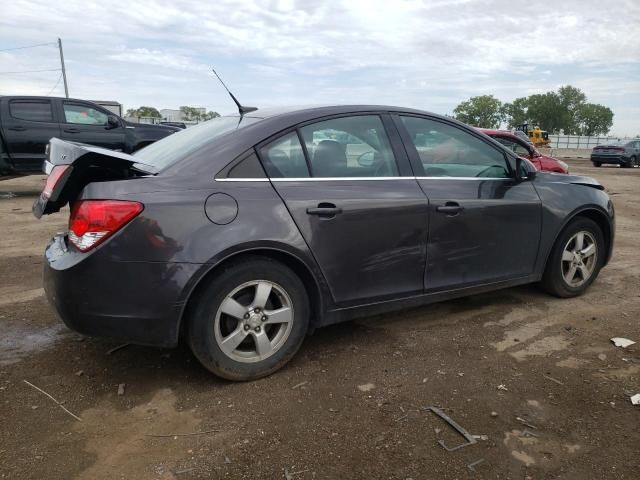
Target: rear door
[484, 225]
[27, 126]
[87, 123]
[356, 202]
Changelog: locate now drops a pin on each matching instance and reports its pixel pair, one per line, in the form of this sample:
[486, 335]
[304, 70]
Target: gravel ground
[537, 375]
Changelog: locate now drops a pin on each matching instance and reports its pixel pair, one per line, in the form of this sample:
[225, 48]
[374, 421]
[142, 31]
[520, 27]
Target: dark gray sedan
[245, 233]
[623, 153]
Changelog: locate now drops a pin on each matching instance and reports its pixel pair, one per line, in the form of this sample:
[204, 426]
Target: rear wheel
[576, 259]
[250, 319]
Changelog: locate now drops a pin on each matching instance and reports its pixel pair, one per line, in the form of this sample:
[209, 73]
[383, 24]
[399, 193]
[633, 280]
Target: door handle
[324, 210]
[17, 129]
[71, 130]
[450, 208]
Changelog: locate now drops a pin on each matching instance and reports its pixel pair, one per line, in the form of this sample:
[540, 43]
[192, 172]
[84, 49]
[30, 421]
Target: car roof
[492, 131]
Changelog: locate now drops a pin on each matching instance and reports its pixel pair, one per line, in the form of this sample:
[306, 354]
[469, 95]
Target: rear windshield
[179, 145]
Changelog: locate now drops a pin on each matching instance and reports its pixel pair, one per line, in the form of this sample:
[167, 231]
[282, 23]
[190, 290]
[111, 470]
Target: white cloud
[428, 54]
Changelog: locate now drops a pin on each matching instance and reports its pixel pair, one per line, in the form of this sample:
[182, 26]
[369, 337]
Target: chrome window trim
[351, 179]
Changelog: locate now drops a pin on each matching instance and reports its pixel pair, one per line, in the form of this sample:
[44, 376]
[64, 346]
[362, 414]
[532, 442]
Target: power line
[54, 87]
[31, 71]
[27, 46]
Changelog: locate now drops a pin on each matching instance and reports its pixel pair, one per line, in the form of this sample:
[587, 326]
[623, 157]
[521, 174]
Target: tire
[633, 162]
[629, 164]
[237, 286]
[554, 279]
[597, 164]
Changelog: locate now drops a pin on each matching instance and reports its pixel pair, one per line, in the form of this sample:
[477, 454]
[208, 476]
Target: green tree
[482, 111]
[546, 111]
[143, 112]
[515, 113]
[209, 115]
[191, 114]
[571, 99]
[594, 119]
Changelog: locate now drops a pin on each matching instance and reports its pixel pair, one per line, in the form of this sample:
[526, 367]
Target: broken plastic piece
[467, 436]
[622, 342]
[635, 400]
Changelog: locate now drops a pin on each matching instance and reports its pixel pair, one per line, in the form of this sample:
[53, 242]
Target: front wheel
[250, 320]
[576, 259]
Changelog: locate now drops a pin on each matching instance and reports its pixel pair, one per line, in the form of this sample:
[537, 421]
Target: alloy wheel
[579, 258]
[254, 321]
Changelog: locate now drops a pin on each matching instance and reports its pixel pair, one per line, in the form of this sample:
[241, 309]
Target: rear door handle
[71, 130]
[450, 208]
[324, 210]
[17, 129]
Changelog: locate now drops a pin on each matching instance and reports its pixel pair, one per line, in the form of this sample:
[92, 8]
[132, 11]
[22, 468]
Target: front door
[484, 225]
[86, 123]
[27, 129]
[356, 203]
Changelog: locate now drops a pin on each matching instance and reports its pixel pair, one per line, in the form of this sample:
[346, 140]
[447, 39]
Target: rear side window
[354, 146]
[284, 158]
[32, 110]
[448, 151]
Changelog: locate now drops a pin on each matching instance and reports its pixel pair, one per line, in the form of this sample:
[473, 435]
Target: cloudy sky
[428, 54]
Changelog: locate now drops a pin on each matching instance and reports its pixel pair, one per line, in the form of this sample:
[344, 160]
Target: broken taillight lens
[56, 173]
[93, 221]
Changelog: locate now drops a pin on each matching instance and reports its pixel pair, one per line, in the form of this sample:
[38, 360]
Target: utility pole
[64, 72]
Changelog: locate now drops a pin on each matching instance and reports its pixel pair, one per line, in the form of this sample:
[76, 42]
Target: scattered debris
[527, 433]
[555, 380]
[602, 356]
[484, 438]
[227, 460]
[56, 401]
[461, 374]
[502, 387]
[635, 400]
[79, 373]
[184, 470]
[367, 387]
[622, 342]
[119, 347]
[467, 436]
[289, 475]
[301, 384]
[121, 388]
[472, 466]
[494, 414]
[172, 435]
[524, 422]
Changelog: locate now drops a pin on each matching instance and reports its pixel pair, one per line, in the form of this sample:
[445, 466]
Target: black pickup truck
[28, 123]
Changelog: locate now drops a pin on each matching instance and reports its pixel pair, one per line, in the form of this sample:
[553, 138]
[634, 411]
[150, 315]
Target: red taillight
[93, 221]
[53, 178]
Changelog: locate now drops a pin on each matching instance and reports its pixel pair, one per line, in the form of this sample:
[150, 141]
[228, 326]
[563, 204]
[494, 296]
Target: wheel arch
[312, 284]
[596, 214]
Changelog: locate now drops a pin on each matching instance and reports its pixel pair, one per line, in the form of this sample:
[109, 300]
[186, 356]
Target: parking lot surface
[536, 377]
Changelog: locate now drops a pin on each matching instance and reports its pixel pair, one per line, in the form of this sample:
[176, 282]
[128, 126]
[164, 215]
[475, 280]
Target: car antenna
[241, 108]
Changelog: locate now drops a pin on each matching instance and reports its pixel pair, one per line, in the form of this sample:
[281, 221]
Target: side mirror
[524, 170]
[112, 121]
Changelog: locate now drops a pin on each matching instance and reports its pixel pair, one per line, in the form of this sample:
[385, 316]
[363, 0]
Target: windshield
[179, 145]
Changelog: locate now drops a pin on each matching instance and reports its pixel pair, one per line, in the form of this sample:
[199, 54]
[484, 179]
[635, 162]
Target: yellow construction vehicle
[540, 138]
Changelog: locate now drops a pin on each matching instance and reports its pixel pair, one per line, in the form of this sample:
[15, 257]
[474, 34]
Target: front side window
[448, 151]
[355, 146]
[33, 110]
[284, 158]
[83, 115]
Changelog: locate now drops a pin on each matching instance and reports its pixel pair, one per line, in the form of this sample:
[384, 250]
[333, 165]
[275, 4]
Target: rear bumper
[612, 159]
[94, 294]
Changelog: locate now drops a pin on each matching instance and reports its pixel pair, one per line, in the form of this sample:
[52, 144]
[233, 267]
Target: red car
[526, 150]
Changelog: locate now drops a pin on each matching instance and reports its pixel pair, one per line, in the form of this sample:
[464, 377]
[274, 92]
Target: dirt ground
[537, 375]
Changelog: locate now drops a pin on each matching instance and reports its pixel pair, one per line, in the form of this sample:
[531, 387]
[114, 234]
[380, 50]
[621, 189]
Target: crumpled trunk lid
[71, 166]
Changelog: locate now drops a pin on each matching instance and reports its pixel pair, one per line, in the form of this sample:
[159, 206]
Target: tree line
[564, 111]
[190, 114]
